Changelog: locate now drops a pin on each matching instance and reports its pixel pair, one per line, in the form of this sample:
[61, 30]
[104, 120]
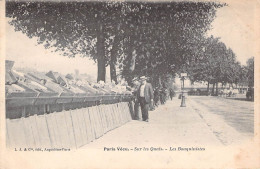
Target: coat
[148, 93]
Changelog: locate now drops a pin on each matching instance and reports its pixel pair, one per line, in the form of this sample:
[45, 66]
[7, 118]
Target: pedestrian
[171, 93]
[165, 94]
[156, 96]
[161, 96]
[151, 105]
[145, 97]
[136, 85]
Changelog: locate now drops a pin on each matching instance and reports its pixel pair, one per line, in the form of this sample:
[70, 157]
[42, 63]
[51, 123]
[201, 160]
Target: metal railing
[17, 107]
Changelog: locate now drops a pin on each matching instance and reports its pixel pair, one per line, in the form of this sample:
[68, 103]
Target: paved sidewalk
[169, 125]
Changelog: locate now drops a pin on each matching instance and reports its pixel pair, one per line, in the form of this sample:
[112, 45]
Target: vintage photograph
[129, 76]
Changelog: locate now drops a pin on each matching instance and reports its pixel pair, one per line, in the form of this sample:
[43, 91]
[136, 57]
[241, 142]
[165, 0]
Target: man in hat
[145, 97]
[136, 85]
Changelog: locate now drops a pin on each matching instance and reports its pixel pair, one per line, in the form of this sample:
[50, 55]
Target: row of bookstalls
[49, 109]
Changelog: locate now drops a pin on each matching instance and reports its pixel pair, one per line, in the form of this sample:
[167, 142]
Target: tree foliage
[217, 64]
[143, 37]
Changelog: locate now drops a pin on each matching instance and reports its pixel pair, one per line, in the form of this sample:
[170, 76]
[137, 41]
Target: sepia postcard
[129, 84]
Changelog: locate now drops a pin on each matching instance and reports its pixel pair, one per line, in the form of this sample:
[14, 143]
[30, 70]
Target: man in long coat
[136, 86]
[145, 97]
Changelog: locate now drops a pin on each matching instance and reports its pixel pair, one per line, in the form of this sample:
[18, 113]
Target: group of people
[162, 94]
[148, 98]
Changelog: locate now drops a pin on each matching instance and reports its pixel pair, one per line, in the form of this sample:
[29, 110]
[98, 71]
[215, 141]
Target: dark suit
[146, 100]
[136, 102]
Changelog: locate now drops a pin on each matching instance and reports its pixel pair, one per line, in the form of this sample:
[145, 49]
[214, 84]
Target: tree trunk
[101, 70]
[208, 87]
[113, 60]
[113, 75]
[131, 60]
[160, 82]
[217, 89]
[213, 88]
[101, 54]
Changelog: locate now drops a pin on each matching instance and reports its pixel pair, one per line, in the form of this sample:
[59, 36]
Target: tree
[165, 41]
[243, 80]
[72, 28]
[215, 64]
[250, 72]
[144, 37]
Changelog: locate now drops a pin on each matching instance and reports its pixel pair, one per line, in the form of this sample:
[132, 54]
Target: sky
[234, 25]
[27, 54]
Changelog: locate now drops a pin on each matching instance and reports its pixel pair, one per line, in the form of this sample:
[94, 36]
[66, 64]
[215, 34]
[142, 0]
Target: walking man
[145, 97]
[171, 93]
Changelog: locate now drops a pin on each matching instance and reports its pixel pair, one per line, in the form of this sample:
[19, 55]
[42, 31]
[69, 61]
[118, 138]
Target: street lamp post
[183, 104]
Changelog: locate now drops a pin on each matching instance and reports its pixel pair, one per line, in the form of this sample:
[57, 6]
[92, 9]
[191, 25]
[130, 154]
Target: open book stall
[57, 111]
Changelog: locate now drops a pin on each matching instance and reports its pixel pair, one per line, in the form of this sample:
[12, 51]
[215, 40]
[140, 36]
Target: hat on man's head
[143, 78]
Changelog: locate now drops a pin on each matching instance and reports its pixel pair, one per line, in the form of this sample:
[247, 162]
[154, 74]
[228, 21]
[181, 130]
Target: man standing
[171, 93]
[145, 97]
[136, 86]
